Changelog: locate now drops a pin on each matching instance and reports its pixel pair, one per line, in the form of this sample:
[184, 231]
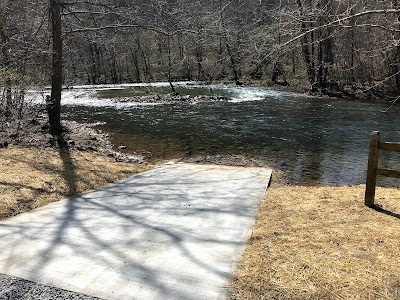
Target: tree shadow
[69, 169]
[67, 172]
[386, 212]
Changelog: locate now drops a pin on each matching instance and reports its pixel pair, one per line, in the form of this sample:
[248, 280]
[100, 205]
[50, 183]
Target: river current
[318, 141]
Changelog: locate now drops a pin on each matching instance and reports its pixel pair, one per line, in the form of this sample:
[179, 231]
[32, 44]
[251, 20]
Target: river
[318, 141]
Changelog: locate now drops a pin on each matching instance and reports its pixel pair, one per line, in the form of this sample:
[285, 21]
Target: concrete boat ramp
[174, 232]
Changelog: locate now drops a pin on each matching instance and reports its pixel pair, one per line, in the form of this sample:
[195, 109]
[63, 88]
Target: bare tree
[53, 102]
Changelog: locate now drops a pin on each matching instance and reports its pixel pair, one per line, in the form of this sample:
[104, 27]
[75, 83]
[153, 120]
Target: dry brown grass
[31, 178]
[322, 243]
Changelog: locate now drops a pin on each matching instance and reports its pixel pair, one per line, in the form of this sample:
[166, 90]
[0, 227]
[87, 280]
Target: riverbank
[322, 243]
[34, 133]
[367, 91]
[39, 168]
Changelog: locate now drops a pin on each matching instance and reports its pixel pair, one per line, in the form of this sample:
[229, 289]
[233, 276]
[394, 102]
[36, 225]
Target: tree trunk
[184, 58]
[53, 102]
[6, 64]
[396, 56]
[305, 47]
[146, 63]
[135, 60]
[170, 66]
[352, 49]
[201, 75]
[233, 63]
[93, 65]
[325, 51]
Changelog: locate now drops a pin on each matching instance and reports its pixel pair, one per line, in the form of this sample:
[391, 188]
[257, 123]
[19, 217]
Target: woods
[339, 48]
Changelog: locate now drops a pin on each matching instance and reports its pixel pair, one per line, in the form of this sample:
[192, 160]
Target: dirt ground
[31, 178]
[322, 243]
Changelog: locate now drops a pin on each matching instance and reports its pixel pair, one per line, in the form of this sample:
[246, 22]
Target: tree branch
[337, 22]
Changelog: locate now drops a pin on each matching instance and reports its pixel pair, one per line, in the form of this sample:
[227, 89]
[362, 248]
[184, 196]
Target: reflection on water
[318, 141]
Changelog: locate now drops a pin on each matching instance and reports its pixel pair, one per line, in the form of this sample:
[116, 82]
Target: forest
[336, 47]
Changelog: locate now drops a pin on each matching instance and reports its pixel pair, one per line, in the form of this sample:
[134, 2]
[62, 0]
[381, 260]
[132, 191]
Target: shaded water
[317, 140]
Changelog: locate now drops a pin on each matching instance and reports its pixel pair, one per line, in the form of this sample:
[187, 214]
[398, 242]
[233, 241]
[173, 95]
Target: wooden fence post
[372, 169]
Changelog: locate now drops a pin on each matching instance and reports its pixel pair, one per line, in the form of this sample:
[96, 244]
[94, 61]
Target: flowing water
[316, 140]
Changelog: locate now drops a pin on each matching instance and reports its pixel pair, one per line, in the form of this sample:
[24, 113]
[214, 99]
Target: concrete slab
[174, 232]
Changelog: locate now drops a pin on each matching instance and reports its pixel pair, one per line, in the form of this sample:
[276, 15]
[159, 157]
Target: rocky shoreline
[173, 99]
[84, 137]
[76, 136]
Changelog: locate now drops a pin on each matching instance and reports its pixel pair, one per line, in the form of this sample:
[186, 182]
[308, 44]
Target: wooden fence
[373, 171]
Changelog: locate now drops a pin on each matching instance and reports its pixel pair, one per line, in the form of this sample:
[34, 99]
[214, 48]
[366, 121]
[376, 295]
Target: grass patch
[322, 243]
[31, 178]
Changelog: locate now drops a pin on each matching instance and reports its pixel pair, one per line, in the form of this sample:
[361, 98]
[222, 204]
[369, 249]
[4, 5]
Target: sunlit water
[317, 140]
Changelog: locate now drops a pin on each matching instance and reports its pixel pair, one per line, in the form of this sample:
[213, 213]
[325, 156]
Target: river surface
[318, 141]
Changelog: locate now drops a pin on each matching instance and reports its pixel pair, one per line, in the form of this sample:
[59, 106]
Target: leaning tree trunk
[53, 102]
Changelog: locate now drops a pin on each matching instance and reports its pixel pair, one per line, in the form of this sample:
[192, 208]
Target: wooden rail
[373, 171]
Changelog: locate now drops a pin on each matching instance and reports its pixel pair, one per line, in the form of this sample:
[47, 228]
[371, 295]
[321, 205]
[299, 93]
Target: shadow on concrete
[122, 229]
[70, 177]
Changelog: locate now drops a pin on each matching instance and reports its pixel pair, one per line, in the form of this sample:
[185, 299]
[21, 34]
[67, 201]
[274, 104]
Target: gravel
[13, 288]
